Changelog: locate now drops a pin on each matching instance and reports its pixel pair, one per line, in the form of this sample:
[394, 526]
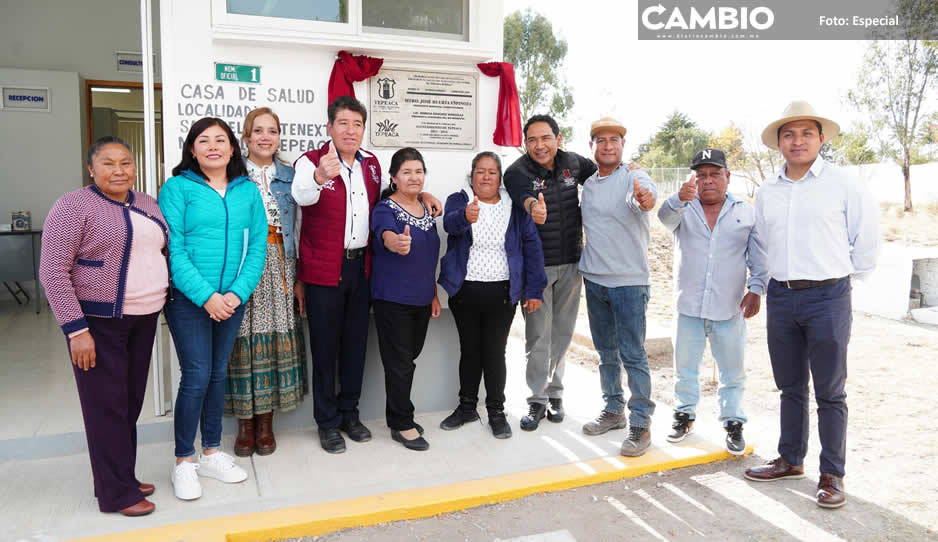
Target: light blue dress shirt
[823, 226]
[710, 266]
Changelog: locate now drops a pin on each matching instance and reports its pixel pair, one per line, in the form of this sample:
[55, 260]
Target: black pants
[483, 312]
[808, 332]
[402, 330]
[111, 395]
[338, 334]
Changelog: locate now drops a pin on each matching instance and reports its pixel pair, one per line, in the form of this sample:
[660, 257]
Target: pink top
[147, 275]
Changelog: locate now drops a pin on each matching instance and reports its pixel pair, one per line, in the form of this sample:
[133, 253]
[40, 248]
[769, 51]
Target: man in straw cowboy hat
[821, 226]
[614, 264]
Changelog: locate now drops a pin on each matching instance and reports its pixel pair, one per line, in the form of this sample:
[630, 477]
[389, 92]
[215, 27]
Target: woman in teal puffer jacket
[218, 244]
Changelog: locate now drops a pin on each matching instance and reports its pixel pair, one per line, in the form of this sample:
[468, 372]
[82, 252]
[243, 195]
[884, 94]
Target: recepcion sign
[26, 99]
[237, 73]
[426, 110]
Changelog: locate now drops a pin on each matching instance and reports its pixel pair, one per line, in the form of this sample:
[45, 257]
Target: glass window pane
[334, 11]
[436, 16]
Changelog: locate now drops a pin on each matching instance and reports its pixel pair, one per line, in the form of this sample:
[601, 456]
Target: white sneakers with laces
[186, 482]
[221, 466]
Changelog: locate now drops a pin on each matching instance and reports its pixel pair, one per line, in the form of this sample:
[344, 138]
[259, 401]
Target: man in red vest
[337, 186]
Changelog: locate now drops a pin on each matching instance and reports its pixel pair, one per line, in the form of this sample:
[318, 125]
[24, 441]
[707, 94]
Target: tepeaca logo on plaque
[427, 110]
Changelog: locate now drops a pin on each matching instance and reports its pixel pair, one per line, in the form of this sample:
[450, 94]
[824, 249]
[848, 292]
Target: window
[447, 19]
[332, 11]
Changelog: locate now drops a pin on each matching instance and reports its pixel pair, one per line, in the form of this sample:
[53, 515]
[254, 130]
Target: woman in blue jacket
[267, 369]
[218, 243]
[493, 259]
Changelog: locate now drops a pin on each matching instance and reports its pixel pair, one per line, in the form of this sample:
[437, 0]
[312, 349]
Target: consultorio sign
[427, 110]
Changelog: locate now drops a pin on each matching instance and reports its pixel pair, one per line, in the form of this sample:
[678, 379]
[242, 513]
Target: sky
[641, 83]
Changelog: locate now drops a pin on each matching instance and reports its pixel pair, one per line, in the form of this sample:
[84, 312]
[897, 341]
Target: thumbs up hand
[688, 190]
[644, 197]
[397, 243]
[539, 210]
[472, 211]
[329, 166]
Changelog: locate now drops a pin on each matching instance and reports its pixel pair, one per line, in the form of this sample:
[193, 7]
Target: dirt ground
[892, 442]
[893, 377]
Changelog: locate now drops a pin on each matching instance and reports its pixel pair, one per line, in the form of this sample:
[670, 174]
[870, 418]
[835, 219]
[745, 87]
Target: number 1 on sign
[253, 75]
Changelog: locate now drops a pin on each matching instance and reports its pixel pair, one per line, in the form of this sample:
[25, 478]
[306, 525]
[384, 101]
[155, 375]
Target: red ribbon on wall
[508, 117]
[349, 69]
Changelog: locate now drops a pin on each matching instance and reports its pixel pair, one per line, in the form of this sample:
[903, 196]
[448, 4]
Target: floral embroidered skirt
[267, 369]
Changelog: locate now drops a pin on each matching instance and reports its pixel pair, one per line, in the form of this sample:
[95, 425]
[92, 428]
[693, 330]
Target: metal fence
[668, 179]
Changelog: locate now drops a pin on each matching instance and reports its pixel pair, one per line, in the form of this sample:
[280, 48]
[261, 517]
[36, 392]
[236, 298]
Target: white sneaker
[186, 482]
[221, 466]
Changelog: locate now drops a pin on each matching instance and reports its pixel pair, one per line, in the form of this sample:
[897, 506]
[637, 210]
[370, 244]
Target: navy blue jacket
[522, 245]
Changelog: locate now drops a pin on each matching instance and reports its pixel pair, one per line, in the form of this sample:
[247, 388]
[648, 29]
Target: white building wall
[40, 151]
[299, 64]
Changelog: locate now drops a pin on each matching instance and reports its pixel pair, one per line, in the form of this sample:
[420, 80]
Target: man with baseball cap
[715, 241]
[821, 227]
[614, 264]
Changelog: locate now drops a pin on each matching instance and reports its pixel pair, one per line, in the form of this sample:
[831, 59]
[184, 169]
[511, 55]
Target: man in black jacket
[544, 182]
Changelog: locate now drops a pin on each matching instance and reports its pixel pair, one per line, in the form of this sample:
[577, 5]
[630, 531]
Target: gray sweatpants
[548, 332]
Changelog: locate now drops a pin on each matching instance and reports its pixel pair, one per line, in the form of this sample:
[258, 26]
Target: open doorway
[115, 108]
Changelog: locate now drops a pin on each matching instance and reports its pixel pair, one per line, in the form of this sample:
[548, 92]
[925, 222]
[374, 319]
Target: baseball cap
[607, 123]
[714, 157]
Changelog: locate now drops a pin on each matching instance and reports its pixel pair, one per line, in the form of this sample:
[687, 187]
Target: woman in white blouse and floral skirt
[267, 369]
[493, 260]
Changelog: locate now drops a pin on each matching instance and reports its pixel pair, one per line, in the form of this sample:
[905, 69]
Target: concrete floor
[50, 498]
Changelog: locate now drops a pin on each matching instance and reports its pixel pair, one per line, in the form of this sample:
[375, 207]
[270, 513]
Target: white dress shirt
[823, 226]
[306, 191]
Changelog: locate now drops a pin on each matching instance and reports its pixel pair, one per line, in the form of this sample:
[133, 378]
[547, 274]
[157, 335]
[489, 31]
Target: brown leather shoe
[142, 508]
[266, 444]
[776, 469]
[147, 489]
[830, 491]
[244, 444]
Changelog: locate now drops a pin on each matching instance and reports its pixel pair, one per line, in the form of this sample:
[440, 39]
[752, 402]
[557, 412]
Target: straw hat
[798, 110]
[607, 123]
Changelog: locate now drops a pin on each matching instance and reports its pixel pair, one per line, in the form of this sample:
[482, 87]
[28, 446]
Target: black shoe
[459, 417]
[499, 424]
[356, 430]
[419, 444]
[555, 410]
[331, 440]
[536, 413]
[682, 426]
[418, 427]
[734, 438]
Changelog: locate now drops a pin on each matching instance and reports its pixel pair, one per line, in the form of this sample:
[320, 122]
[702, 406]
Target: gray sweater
[617, 230]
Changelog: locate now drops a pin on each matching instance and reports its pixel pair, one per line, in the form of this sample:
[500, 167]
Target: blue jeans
[617, 323]
[728, 345]
[203, 346]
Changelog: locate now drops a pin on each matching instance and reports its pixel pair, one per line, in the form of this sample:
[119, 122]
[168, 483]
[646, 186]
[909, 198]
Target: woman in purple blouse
[403, 287]
[104, 269]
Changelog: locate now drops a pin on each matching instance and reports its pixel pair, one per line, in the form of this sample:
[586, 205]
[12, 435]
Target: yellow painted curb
[317, 519]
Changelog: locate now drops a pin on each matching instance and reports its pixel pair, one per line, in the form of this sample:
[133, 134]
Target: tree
[746, 157]
[852, 147]
[538, 58]
[674, 144]
[894, 83]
